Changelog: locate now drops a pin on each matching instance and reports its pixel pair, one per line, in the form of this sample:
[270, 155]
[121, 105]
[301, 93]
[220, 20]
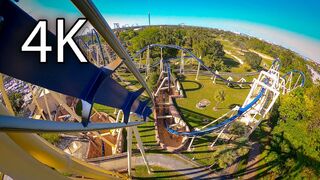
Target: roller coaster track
[206, 73]
[94, 34]
[242, 110]
[211, 129]
[245, 108]
[27, 156]
[195, 57]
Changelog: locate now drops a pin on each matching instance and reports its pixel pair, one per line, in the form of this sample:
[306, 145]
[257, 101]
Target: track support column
[199, 65]
[214, 142]
[191, 142]
[148, 62]
[140, 61]
[214, 77]
[141, 148]
[129, 149]
[182, 63]
[161, 60]
[5, 96]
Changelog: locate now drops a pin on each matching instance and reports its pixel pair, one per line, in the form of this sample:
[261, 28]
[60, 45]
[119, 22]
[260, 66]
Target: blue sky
[300, 16]
[299, 19]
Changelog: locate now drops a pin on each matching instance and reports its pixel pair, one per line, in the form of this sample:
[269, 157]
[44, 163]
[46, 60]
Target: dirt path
[262, 55]
[236, 57]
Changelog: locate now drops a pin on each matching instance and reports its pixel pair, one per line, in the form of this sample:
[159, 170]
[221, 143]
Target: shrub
[253, 59]
[52, 138]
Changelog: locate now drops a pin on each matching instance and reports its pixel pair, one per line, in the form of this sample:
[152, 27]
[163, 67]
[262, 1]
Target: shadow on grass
[146, 129]
[232, 86]
[231, 106]
[147, 135]
[230, 62]
[182, 173]
[145, 142]
[186, 169]
[259, 170]
[146, 126]
[198, 85]
[193, 116]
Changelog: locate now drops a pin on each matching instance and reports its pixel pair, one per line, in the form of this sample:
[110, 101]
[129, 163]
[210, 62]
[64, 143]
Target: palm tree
[219, 97]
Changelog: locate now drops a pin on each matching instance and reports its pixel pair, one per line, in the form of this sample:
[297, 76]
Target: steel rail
[90, 11]
[19, 124]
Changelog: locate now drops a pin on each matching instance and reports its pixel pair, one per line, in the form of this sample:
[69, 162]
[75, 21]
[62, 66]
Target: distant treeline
[205, 42]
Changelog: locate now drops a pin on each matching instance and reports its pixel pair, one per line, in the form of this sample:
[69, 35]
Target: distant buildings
[116, 25]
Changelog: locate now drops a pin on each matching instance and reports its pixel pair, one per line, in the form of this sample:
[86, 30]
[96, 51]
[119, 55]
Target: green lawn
[141, 172]
[204, 89]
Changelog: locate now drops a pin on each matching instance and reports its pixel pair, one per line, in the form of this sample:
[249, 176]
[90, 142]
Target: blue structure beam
[82, 80]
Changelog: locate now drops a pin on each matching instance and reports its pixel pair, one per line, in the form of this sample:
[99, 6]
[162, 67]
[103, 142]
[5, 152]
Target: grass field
[195, 91]
[237, 68]
[141, 172]
[204, 89]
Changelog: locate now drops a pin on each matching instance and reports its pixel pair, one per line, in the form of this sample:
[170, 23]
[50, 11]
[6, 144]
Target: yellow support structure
[28, 156]
[1, 176]
[46, 103]
[18, 164]
[5, 96]
[35, 101]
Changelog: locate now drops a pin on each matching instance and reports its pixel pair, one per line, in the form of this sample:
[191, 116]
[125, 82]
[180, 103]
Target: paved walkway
[170, 162]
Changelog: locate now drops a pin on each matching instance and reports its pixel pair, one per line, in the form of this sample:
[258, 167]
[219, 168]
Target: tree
[225, 155]
[238, 128]
[294, 145]
[215, 64]
[213, 53]
[216, 49]
[125, 36]
[240, 44]
[52, 138]
[219, 97]
[253, 59]
[293, 107]
[152, 81]
[145, 37]
[17, 101]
